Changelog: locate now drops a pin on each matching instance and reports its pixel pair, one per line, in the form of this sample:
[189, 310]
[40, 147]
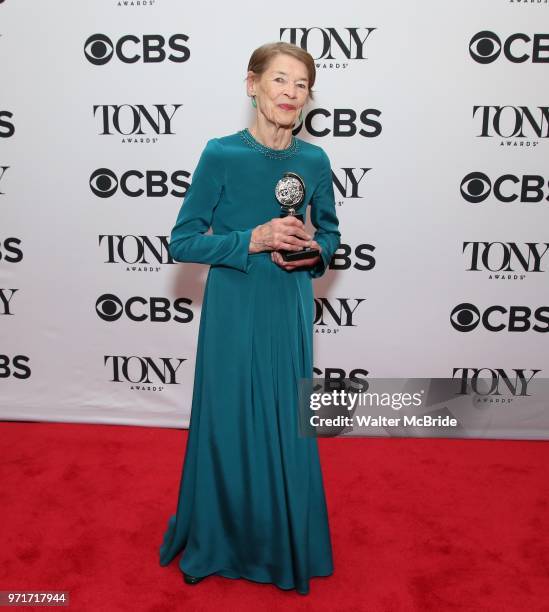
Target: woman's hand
[286, 233]
[300, 263]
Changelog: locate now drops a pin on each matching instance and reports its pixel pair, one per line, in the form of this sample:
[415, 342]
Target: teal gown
[251, 499]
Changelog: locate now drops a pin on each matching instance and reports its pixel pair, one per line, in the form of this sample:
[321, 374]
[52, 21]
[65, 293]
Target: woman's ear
[250, 83]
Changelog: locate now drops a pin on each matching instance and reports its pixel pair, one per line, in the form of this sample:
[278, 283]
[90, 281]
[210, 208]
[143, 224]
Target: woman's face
[281, 91]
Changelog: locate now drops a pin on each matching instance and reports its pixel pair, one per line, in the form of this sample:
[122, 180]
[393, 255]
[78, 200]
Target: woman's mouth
[287, 107]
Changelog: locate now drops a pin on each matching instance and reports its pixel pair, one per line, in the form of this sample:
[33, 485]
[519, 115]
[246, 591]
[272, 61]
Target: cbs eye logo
[103, 183]
[109, 307]
[485, 47]
[98, 49]
[465, 317]
[475, 187]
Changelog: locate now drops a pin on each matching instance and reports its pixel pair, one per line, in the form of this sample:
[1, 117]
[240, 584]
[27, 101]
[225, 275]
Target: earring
[300, 115]
[254, 103]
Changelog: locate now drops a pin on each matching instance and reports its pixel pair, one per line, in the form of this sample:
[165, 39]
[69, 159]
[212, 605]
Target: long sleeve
[188, 240]
[324, 218]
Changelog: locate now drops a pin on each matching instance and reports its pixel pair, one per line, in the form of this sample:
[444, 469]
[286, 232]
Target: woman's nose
[291, 90]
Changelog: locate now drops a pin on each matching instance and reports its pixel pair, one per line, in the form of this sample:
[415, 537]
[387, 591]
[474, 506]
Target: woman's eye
[302, 85]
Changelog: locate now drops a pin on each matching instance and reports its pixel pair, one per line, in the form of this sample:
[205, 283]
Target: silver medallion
[290, 192]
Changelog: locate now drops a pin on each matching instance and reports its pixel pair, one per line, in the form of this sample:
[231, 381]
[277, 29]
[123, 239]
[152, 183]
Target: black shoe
[192, 579]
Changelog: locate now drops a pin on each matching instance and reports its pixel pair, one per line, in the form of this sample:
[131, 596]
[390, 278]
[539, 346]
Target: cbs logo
[485, 47]
[110, 308]
[153, 183]
[466, 317]
[477, 186]
[99, 49]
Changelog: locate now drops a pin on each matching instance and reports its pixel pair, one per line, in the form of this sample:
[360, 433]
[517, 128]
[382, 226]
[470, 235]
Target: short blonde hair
[262, 56]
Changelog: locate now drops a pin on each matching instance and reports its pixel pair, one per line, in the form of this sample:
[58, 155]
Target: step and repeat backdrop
[435, 116]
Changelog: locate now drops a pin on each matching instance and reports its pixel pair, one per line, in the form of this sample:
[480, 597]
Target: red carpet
[416, 524]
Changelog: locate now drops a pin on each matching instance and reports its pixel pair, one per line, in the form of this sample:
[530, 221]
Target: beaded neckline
[247, 137]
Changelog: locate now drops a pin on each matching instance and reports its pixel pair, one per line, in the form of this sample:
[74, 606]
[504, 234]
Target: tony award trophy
[290, 193]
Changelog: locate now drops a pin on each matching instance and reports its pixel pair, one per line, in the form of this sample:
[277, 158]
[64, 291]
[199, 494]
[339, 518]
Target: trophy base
[297, 255]
[287, 214]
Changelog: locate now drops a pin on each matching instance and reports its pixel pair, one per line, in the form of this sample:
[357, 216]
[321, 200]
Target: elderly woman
[251, 500]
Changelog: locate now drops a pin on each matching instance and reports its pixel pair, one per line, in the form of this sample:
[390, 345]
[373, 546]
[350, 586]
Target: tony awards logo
[290, 193]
